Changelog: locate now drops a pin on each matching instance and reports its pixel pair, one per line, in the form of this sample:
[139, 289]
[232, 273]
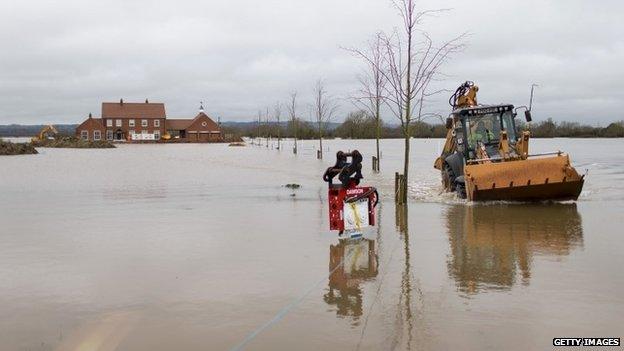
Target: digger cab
[475, 126]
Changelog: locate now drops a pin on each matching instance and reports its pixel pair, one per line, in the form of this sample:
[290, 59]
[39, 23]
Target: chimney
[121, 102]
[90, 115]
[147, 102]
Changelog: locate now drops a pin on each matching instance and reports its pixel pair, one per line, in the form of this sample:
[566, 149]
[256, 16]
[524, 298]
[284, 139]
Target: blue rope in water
[370, 309]
[283, 311]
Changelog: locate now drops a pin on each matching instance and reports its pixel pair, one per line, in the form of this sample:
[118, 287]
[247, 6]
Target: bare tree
[324, 108]
[268, 129]
[258, 126]
[411, 62]
[292, 112]
[370, 95]
[277, 111]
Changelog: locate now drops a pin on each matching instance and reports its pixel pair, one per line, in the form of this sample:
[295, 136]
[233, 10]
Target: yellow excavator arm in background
[49, 129]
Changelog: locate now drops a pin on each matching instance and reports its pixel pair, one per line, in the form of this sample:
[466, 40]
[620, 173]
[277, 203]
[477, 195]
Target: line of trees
[322, 109]
[361, 125]
[551, 129]
[20, 130]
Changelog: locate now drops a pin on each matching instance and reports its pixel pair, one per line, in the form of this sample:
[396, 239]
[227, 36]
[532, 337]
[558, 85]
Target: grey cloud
[60, 60]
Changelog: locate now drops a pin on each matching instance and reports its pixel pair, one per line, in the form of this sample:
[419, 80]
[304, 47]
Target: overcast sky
[61, 59]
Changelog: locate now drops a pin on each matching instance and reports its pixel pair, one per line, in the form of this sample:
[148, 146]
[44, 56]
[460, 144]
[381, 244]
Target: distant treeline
[19, 130]
[551, 129]
[358, 125]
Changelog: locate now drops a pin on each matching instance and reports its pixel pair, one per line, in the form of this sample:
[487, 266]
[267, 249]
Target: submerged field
[195, 246]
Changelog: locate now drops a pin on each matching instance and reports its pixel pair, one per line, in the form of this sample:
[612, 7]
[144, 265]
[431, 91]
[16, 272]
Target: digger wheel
[448, 178]
[460, 188]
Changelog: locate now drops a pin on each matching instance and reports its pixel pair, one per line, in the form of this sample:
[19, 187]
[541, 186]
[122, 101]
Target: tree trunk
[320, 141]
[406, 167]
[378, 134]
[279, 134]
[408, 109]
[295, 123]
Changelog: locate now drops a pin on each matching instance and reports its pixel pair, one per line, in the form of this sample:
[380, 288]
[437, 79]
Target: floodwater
[201, 247]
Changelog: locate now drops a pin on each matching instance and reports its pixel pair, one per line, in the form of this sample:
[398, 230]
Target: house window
[97, 135]
[131, 123]
[131, 132]
[109, 122]
[156, 123]
[143, 123]
[84, 135]
[117, 123]
[109, 134]
[157, 134]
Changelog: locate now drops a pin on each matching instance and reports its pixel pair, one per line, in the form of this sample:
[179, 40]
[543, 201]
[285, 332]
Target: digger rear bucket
[533, 179]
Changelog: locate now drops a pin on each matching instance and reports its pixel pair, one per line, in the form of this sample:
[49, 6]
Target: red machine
[351, 207]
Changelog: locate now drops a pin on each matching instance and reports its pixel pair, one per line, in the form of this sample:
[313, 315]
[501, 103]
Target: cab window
[483, 129]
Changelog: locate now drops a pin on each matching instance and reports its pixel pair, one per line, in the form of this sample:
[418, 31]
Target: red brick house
[133, 121]
[130, 121]
[91, 129]
[199, 129]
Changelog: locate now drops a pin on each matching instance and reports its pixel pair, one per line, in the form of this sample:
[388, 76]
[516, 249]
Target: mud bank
[8, 148]
[74, 143]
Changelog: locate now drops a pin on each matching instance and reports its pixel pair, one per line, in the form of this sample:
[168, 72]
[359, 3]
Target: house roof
[182, 124]
[178, 124]
[91, 123]
[133, 110]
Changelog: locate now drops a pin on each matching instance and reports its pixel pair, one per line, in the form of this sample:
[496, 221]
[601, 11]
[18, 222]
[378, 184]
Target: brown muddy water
[196, 247]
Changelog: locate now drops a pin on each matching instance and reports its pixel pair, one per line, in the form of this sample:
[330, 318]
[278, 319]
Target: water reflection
[492, 246]
[352, 262]
[404, 316]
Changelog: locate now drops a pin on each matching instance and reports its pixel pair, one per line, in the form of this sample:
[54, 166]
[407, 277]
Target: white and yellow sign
[356, 214]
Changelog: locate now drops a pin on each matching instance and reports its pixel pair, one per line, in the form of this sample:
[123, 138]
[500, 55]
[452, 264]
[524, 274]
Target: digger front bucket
[533, 179]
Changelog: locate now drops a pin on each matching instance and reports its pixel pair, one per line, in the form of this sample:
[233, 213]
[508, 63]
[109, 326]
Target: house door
[119, 135]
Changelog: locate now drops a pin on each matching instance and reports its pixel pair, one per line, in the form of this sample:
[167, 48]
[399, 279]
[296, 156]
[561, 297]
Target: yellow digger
[47, 132]
[486, 158]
